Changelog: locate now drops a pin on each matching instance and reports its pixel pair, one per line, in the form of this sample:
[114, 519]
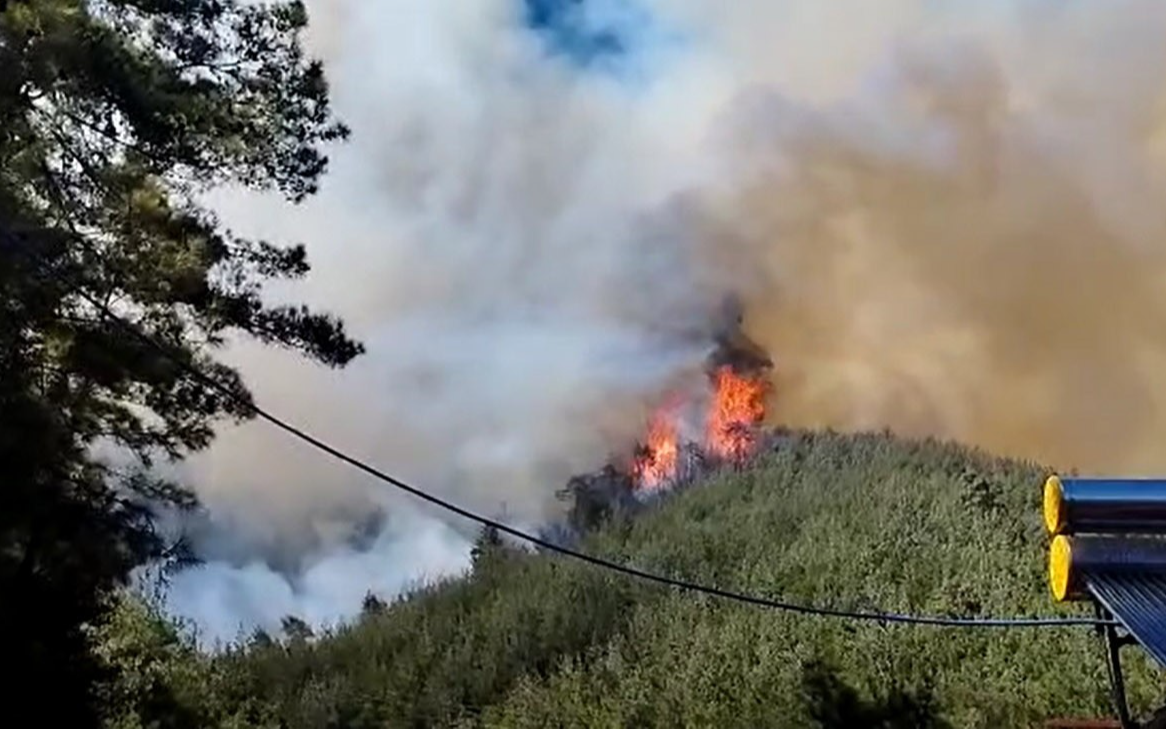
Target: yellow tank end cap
[1060, 567]
[1054, 505]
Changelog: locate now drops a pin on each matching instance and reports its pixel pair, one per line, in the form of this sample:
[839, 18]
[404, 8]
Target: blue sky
[567, 29]
[620, 37]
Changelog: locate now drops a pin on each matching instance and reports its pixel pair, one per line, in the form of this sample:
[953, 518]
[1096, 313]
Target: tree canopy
[116, 116]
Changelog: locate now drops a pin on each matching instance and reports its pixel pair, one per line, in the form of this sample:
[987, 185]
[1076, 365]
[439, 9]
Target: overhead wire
[684, 585]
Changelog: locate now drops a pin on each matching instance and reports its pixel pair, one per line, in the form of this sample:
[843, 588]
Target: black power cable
[296, 432]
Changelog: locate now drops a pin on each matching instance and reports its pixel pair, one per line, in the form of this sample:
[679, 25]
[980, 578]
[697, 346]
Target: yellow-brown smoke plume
[961, 249]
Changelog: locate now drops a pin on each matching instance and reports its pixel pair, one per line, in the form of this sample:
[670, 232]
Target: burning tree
[738, 386]
[730, 410]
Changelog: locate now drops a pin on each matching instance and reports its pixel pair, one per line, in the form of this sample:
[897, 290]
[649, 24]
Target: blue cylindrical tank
[1105, 506]
[1073, 561]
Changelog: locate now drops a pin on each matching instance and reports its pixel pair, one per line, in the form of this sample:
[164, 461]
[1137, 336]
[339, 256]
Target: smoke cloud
[969, 242]
[943, 219]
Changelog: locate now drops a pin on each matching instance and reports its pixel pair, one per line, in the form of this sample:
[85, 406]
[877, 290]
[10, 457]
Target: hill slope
[864, 521]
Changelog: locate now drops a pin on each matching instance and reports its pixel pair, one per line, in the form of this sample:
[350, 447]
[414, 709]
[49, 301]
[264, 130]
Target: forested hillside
[862, 522]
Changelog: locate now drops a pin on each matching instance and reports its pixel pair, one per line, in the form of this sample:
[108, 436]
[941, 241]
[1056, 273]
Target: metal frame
[1113, 645]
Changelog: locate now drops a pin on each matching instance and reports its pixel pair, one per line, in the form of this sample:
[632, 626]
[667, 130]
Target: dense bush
[862, 521]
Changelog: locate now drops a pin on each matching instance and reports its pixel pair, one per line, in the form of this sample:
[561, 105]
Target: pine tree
[114, 116]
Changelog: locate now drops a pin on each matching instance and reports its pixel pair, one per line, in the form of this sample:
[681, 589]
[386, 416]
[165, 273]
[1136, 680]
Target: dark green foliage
[834, 705]
[114, 116]
[163, 681]
[599, 499]
[372, 605]
[490, 555]
[486, 547]
[846, 521]
[296, 629]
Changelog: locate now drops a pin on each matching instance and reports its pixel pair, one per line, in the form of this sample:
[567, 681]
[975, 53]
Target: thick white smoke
[532, 249]
[493, 233]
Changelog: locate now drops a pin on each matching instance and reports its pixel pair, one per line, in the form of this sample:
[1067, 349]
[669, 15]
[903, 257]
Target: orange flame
[657, 462]
[738, 406]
